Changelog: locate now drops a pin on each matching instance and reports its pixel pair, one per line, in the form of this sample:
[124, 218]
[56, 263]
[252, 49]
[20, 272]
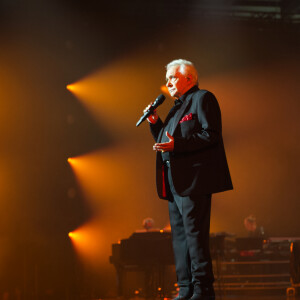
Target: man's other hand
[165, 147]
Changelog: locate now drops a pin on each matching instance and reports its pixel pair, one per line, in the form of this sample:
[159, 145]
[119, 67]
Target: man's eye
[172, 79]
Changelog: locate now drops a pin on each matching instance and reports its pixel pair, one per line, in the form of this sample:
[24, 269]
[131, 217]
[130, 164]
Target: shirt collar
[178, 102]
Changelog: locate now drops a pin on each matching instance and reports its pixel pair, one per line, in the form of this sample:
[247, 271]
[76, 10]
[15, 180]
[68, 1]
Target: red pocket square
[186, 118]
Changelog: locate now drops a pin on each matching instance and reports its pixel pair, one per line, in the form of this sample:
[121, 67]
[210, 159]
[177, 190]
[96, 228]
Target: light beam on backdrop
[116, 186]
[117, 94]
[108, 177]
[89, 243]
[116, 189]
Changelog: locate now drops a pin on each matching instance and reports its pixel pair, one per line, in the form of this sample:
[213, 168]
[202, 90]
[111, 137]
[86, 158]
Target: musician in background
[251, 227]
[148, 224]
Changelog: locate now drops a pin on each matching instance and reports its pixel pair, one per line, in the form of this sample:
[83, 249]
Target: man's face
[177, 83]
[250, 225]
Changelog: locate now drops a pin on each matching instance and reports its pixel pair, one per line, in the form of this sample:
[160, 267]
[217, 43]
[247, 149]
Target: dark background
[252, 66]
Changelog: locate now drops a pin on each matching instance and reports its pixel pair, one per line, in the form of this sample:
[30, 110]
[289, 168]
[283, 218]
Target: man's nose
[168, 84]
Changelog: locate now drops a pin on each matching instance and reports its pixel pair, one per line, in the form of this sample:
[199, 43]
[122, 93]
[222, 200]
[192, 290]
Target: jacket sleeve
[156, 128]
[210, 130]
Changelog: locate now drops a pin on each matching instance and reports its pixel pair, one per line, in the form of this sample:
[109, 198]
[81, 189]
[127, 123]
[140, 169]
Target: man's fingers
[163, 147]
[148, 107]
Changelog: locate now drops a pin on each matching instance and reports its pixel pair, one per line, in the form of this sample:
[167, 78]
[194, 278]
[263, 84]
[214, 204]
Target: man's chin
[173, 94]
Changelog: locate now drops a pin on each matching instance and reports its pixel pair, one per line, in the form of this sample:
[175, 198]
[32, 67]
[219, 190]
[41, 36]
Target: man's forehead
[172, 71]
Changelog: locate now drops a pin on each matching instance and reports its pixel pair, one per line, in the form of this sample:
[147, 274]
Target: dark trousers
[190, 222]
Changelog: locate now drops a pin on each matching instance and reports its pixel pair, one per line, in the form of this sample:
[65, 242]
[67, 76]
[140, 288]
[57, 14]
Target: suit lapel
[180, 113]
[160, 135]
[166, 120]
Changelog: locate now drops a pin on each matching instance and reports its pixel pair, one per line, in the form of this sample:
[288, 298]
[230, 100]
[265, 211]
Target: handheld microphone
[158, 101]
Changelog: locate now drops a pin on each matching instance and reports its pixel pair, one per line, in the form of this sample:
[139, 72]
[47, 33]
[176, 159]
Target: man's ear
[189, 77]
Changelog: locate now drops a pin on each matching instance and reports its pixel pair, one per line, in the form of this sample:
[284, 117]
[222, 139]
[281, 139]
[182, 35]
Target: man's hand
[152, 118]
[165, 147]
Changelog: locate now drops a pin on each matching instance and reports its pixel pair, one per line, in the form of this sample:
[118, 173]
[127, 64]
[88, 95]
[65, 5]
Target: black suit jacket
[198, 163]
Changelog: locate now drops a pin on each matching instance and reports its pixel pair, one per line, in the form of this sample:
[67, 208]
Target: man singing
[190, 165]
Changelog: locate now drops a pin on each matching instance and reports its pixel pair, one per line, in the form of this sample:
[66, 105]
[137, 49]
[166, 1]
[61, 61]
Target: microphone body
[158, 101]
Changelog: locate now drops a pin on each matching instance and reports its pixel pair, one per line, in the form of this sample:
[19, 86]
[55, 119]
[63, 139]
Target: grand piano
[145, 265]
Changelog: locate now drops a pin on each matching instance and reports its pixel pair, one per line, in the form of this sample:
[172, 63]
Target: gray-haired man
[190, 166]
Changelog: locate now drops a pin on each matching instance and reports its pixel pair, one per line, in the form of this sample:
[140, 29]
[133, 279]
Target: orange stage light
[71, 234]
[70, 87]
[105, 93]
[165, 90]
[88, 241]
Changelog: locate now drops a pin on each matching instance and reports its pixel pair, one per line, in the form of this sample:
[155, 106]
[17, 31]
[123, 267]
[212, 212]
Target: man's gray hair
[186, 68]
